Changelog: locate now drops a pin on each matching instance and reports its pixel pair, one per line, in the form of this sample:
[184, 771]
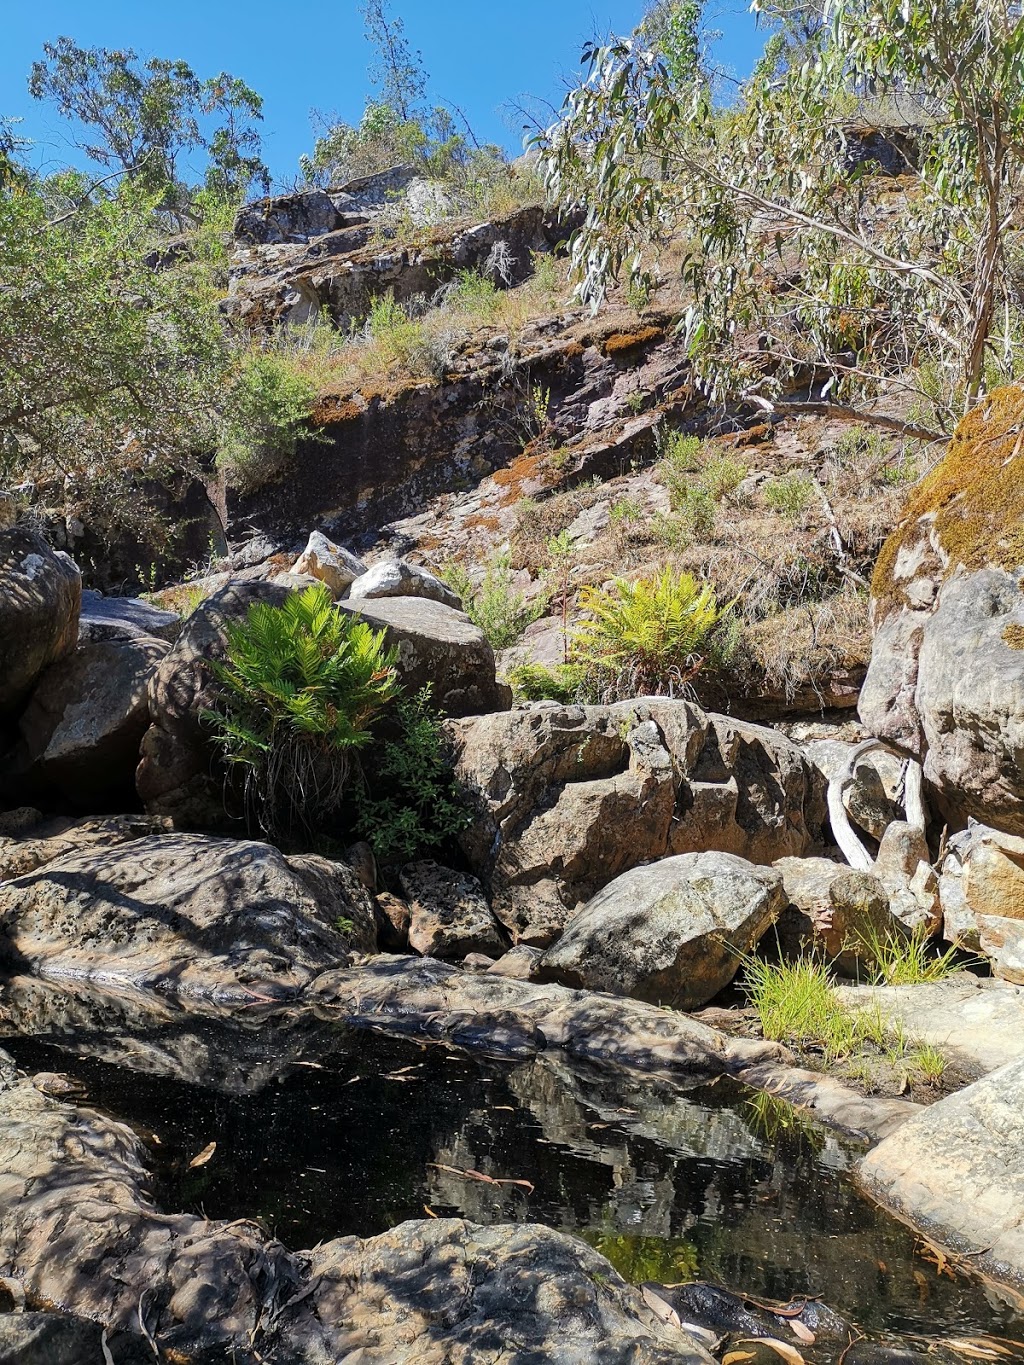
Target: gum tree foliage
[806, 268]
[143, 119]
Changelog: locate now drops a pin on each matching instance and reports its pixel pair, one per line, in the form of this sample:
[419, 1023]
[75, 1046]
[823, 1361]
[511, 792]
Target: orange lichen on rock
[972, 503]
[621, 342]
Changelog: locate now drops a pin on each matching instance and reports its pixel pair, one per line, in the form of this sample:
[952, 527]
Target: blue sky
[311, 55]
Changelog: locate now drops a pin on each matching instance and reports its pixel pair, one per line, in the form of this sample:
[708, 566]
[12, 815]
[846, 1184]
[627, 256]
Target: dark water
[326, 1131]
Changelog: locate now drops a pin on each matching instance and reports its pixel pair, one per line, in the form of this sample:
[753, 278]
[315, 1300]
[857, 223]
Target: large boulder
[672, 933]
[956, 1172]
[40, 597]
[566, 798]
[946, 681]
[120, 618]
[28, 839]
[982, 894]
[81, 731]
[448, 912]
[440, 647]
[186, 914]
[396, 578]
[331, 564]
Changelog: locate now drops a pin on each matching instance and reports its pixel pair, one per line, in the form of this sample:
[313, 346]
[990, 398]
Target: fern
[300, 688]
[646, 637]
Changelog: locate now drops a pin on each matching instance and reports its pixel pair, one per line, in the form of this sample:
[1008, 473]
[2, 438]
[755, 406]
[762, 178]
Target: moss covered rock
[946, 681]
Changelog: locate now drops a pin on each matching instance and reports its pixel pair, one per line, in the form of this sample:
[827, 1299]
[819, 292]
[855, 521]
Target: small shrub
[535, 682]
[696, 510]
[301, 684]
[267, 411]
[789, 495]
[636, 399]
[928, 1062]
[472, 294]
[655, 633]
[900, 959]
[625, 510]
[414, 803]
[794, 1002]
[493, 604]
[721, 476]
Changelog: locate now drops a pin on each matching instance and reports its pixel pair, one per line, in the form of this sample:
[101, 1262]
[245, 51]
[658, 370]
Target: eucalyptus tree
[806, 269]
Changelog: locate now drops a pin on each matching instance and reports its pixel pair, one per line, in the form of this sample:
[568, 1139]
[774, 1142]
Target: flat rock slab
[870, 1117]
[435, 999]
[79, 1227]
[956, 1172]
[980, 1022]
[187, 914]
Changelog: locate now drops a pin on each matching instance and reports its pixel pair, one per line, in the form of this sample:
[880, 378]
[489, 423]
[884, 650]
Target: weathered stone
[81, 730]
[42, 840]
[189, 915]
[520, 963]
[871, 799]
[975, 1021]
[331, 564]
[40, 595]
[835, 911]
[946, 682]
[286, 218]
[64, 1339]
[567, 798]
[440, 647]
[435, 999]
[78, 1227]
[393, 918]
[982, 892]
[956, 1172]
[396, 578]
[449, 914]
[120, 618]
[673, 932]
[903, 866]
[177, 773]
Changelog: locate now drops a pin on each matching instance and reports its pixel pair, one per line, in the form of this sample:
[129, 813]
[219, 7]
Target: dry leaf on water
[661, 1307]
[204, 1156]
[801, 1332]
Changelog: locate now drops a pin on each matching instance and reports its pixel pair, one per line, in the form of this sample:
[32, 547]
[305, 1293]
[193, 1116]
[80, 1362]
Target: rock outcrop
[946, 681]
[40, 598]
[956, 1172]
[81, 730]
[567, 798]
[123, 618]
[673, 932]
[217, 918]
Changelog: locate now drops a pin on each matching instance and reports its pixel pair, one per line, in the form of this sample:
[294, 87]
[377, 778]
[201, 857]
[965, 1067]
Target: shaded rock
[178, 774]
[519, 963]
[120, 618]
[81, 731]
[566, 798]
[872, 798]
[43, 840]
[331, 564]
[78, 1226]
[672, 933]
[438, 1000]
[973, 1020]
[189, 915]
[64, 1339]
[360, 859]
[448, 912]
[440, 647]
[286, 218]
[393, 919]
[956, 1172]
[946, 681]
[40, 596]
[396, 578]
[982, 894]
[834, 910]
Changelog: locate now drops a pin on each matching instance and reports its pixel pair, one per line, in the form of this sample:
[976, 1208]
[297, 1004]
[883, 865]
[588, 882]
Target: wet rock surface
[187, 914]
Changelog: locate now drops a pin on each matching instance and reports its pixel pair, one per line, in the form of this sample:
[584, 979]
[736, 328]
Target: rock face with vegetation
[946, 682]
[189, 915]
[567, 798]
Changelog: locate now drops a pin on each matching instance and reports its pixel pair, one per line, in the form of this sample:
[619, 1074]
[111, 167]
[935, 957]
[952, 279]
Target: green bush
[300, 687]
[535, 682]
[413, 803]
[649, 636]
[267, 412]
[493, 604]
[789, 495]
